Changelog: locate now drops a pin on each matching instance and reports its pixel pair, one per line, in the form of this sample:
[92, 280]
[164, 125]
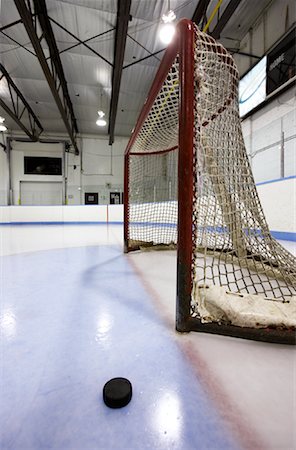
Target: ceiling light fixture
[101, 122]
[2, 126]
[167, 29]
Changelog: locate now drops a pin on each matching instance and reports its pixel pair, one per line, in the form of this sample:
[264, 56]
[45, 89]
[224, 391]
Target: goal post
[188, 185]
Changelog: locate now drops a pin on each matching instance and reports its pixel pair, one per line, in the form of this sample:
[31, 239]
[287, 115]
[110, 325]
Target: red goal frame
[183, 46]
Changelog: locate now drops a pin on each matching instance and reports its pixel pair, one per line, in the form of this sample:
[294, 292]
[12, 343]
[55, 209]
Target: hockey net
[188, 183]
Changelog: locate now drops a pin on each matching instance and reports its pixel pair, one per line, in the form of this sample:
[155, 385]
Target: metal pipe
[10, 193]
[200, 11]
[65, 174]
[212, 15]
[228, 12]
[282, 151]
[123, 16]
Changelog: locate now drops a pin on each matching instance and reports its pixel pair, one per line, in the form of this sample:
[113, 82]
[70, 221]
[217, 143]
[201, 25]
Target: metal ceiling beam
[53, 70]
[200, 11]
[123, 17]
[227, 13]
[20, 108]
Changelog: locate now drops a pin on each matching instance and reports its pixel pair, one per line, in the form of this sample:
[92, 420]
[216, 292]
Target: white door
[41, 193]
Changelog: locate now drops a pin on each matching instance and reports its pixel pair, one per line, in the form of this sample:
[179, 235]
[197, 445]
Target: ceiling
[88, 68]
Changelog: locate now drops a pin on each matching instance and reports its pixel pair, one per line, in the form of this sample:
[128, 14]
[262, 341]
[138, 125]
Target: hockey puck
[117, 392]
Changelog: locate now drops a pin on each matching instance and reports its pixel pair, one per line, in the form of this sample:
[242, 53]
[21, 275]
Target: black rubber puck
[117, 392]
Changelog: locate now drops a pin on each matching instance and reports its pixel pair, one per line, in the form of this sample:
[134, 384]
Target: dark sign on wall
[91, 198]
[115, 198]
[281, 64]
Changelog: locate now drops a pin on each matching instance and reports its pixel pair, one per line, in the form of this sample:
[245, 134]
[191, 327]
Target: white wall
[98, 168]
[266, 131]
[278, 201]
[41, 193]
[61, 214]
[21, 149]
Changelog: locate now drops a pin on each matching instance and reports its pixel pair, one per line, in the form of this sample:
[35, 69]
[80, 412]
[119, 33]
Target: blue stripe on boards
[284, 235]
[59, 223]
[276, 180]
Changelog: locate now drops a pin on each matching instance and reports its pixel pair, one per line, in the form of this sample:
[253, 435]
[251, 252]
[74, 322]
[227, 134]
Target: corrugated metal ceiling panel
[19, 63]
[81, 21]
[85, 69]
[87, 75]
[8, 11]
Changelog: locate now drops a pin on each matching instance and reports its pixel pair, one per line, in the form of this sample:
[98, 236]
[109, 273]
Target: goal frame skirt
[183, 45]
[272, 335]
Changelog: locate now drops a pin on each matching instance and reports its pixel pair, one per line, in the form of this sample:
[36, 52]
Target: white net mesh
[153, 175]
[153, 207]
[228, 216]
[233, 248]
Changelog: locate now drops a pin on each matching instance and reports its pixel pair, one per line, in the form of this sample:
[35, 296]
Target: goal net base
[147, 246]
[269, 334]
[216, 304]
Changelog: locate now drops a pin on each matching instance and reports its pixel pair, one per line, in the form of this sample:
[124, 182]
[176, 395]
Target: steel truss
[37, 24]
[20, 108]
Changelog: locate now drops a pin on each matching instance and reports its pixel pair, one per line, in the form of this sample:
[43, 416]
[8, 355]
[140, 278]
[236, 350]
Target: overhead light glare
[2, 126]
[168, 17]
[101, 122]
[167, 32]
